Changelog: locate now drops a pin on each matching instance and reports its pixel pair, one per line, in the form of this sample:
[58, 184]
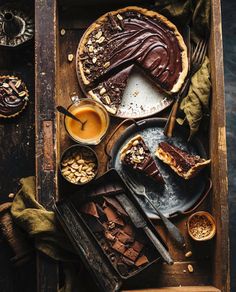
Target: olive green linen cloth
[39, 223]
[196, 14]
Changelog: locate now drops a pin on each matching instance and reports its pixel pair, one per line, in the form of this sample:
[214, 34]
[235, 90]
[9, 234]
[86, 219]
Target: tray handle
[106, 148]
[206, 192]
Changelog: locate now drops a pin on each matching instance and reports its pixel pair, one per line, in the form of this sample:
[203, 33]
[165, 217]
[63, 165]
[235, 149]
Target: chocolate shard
[127, 261]
[136, 155]
[131, 254]
[128, 229]
[116, 205]
[141, 261]
[112, 216]
[137, 246]
[184, 164]
[124, 237]
[119, 247]
[102, 190]
[90, 208]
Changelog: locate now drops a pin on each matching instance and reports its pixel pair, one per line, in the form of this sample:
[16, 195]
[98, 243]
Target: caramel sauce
[93, 129]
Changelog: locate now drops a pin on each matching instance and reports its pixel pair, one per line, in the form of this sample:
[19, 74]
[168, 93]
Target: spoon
[64, 111]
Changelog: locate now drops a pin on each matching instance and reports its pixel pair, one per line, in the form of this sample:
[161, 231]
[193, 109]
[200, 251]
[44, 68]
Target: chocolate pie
[183, 163]
[136, 155]
[121, 39]
[13, 96]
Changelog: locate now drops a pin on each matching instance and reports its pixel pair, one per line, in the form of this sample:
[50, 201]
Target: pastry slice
[183, 163]
[136, 155]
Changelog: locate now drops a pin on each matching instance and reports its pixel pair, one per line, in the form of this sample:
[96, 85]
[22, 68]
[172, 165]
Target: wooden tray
[56, 81]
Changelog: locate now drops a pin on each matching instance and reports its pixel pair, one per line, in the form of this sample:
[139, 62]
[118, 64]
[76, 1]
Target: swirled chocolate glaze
[13, 96]
[129, 38]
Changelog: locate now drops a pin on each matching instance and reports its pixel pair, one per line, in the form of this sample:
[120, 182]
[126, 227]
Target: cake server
[139, 222]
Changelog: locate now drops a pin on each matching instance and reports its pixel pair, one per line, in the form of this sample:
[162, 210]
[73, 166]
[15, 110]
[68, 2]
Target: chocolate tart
[135, 154]
[121, 39]
[13, 96]
[183, 163]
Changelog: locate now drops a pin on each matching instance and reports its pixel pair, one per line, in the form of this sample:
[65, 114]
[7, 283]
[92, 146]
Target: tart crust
[25, 103]
[99, 22]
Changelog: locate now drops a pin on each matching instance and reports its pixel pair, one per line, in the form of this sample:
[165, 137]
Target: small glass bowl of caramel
[97, 121]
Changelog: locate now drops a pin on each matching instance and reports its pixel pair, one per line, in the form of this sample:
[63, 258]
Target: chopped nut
[83, 179]
[188, 254]
[103, 90]
[87, 71]
[99, 34]
[75, 166]
[90, 49]
[70, 57]
[119, 17]
[70, 161]
[101, 39]
[63, 32]
[6, 85]
[18, 83]
[94, 60]
[66, 173]
[107, 99]
[190, 268]
[81, 161]
[11, 195]
[22, 93]
[106, 65]
[135, 143]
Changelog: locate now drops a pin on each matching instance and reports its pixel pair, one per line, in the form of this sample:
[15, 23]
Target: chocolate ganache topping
[124, 38]
[13, 96]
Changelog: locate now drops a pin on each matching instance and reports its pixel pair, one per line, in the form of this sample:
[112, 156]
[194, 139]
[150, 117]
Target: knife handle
[159, 246]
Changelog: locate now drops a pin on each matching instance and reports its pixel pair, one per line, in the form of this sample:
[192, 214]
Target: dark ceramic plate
[176, 195]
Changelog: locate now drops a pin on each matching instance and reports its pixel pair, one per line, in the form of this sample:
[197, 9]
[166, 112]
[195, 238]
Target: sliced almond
[90, 49]
[119, 16]
[107, 99]
[22, 93]
[6, 85]
[101, 39]
[188, 254]
[190, 268]
[18, 83]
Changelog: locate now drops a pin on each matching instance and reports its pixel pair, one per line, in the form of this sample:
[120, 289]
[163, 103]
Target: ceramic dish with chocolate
[122, 39]
[79, 164]
[13, 96]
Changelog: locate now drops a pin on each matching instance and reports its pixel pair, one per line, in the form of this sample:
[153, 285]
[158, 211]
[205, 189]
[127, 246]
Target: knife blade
[140, 222]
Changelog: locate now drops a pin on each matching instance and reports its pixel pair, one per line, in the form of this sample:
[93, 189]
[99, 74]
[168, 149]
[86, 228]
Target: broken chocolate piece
[116, 205]
[131, 254]
[119, 247]
[141, 261]
[90, 208]
[109, 236]
[136, 155]
[128, 229]
[183, 163]
[137, 246]
[127, 261]
[124, 237]
[112, 216]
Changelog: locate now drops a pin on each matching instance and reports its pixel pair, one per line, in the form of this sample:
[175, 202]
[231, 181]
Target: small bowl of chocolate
[201, 226]
[79, 164]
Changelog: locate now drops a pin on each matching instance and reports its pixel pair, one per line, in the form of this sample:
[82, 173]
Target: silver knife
[139, 222]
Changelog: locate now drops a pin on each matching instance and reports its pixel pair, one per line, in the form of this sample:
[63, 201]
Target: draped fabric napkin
[196, 14]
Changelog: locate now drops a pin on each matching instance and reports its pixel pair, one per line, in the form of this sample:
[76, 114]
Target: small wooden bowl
[76, 149]
[210, 219]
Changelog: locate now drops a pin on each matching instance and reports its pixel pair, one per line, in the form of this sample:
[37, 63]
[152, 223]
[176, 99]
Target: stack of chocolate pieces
[125, 246]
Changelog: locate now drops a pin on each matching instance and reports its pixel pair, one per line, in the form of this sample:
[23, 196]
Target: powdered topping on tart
[13, 96]
[183, 163]
[136, 154]
[127, 37]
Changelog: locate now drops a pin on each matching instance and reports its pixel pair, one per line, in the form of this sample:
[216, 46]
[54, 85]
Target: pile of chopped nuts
[79, 167]
[200, 227]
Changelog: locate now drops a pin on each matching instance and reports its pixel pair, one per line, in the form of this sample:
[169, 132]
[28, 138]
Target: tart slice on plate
[136, 155]
[183, 163]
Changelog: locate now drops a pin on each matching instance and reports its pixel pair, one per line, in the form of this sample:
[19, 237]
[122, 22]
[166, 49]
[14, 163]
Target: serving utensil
[140, 190]
[64, 111]
[139, 222]
[196, 62]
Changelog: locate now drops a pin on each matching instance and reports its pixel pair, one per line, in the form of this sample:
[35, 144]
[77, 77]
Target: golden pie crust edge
[25, 104]
[146, 12]
[127, 146]
[193, 171]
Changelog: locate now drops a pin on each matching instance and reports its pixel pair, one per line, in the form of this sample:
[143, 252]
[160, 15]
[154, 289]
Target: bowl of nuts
[201, 226]
[79, 164]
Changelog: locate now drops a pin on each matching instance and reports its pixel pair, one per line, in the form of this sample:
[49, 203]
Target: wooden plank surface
[221, 278]
[45, 126]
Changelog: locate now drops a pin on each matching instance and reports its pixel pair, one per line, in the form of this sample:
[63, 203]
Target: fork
[140, 190]
[197, 59]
